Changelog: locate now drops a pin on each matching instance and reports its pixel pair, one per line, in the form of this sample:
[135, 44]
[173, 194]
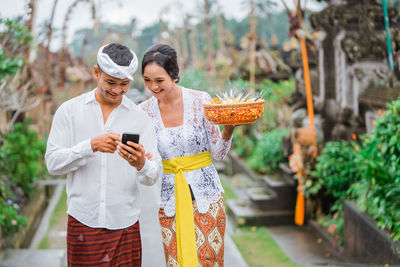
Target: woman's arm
[219, 143]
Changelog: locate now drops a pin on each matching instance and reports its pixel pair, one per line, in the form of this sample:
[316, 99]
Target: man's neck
[105, 104]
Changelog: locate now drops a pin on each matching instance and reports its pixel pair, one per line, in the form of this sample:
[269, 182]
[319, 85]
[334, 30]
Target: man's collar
[90, 97]
[126, 103]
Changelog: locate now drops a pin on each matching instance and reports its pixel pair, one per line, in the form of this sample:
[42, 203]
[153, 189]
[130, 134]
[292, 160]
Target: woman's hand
[136, 158]
[228, 131]
[149, 156]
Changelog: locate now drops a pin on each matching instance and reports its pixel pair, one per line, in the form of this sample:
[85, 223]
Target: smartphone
[133, 137]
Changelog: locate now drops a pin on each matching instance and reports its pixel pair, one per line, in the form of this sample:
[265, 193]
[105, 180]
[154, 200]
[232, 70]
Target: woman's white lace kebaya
[194, 136]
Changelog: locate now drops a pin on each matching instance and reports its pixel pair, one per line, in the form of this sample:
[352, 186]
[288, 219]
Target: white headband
[107, 65]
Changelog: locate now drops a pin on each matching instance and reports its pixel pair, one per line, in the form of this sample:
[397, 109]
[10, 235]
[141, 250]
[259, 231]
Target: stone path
[153, 254]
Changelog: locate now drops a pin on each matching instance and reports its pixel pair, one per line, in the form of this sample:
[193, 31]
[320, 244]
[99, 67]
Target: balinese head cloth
[107, 65]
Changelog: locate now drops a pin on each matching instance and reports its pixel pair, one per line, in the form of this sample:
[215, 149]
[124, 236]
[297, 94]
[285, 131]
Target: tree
[48, 62]
[64, 49]
[262, 7]
[15, 91]
[209, 48]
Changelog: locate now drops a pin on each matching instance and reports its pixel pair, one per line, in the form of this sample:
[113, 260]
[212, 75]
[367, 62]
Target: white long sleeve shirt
[102, 188]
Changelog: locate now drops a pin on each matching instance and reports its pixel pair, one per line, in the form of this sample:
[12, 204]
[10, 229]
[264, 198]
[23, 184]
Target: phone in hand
[133, 137]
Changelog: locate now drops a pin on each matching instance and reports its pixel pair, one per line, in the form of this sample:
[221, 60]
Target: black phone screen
[133, 137]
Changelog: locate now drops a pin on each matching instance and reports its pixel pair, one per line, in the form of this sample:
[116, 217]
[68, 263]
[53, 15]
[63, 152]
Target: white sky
[115, 11]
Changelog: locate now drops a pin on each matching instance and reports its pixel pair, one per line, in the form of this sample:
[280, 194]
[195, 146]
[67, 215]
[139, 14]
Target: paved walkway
[153, 253]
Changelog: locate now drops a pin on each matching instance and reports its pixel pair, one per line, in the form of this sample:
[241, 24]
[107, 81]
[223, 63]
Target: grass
[256, 244]
[229, 194]
[59, 212]
[259, 248]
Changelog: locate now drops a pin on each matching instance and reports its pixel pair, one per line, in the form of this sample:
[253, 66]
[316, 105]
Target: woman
[192, 216]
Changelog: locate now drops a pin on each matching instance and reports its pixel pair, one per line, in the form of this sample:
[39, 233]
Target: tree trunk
[221, 36]
[253, 42]
[193, 47]
[185, 50]
[48, 60]
[30, 24]
[64, 49]
[210, 38]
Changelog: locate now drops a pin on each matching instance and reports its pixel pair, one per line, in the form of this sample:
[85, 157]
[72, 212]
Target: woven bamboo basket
[234, 114]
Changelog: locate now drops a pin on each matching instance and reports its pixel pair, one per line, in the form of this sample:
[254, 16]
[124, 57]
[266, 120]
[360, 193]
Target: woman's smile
[157, 91]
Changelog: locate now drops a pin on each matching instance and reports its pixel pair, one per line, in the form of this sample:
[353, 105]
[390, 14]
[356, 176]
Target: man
[102, 173]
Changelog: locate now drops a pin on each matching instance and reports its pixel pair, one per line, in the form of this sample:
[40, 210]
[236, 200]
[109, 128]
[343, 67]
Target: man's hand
[106, 143]
[136, 158]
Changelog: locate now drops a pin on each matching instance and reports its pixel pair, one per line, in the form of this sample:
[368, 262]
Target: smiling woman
[191, 192]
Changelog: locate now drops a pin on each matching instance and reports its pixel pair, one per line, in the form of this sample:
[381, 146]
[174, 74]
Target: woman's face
[157, 80]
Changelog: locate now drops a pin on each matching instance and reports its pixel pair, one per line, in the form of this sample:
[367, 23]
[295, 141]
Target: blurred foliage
[20, 151]
[267, 26]
[196, 79]
[10, 220]
[253, 141]
[14, 39]
[268, 152]
[381, 171]
[337, 169]
[86, 41]
[22, 155]
[21, 164]
[368, 173]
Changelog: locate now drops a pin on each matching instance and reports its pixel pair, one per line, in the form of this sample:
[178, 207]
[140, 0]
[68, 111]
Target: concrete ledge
[31, 258]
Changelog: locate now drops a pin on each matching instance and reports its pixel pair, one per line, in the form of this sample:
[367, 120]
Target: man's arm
[61, 156]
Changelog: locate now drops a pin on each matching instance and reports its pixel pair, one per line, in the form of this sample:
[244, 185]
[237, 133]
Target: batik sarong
[101, 247]
[210, 230]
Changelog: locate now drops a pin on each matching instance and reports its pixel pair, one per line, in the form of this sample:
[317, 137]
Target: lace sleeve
[218, 146]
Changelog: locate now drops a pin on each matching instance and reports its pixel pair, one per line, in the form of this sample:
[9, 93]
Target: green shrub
[10, 221]
[368, 173]
[267, 154]
[15, 38]
[21, 163]
[337, 168]
[243, 142]
[22, 156]
[379, 193]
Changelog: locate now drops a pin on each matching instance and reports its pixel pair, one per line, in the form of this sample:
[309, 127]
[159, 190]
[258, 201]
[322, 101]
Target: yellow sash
[185, 233]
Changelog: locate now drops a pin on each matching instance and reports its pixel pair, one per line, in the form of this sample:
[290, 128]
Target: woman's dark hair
[119, 53]
[165, 56]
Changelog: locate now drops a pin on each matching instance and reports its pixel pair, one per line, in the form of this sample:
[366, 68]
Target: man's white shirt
[102, 188]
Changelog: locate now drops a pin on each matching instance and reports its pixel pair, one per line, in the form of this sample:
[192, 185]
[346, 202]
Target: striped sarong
[88, 246]
[210, 230]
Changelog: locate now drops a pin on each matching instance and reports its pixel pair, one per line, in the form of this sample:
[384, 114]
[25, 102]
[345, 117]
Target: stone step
[287, 173]
[246, 213]
[285, 192]
[34, 258]
[239, 166]
[268, 199]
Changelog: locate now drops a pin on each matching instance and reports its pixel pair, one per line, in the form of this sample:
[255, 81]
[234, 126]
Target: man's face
[111, 89]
